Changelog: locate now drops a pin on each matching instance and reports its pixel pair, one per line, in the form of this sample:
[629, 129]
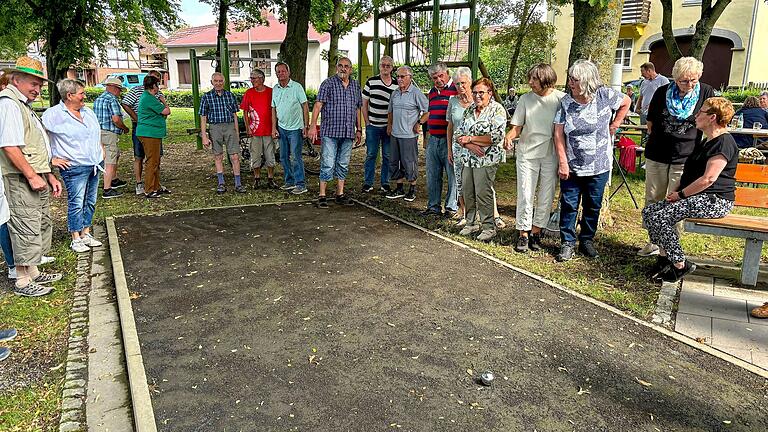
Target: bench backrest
[750, 196]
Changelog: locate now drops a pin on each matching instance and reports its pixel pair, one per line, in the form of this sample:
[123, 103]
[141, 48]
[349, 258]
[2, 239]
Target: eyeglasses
[688, 81]
[384, 65]
[570, 78]
[402, 76]
[480, 93]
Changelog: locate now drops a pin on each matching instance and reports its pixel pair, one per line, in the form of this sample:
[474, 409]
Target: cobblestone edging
[75, 381]
[665, 305]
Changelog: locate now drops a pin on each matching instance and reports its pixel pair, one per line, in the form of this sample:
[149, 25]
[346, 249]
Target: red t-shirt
[257, 109]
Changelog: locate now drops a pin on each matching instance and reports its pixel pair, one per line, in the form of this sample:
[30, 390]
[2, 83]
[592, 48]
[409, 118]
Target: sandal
[32, 290]
[44, 278]
[760, 311]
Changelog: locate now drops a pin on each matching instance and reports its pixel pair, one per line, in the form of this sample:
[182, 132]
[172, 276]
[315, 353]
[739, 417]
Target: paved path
[293, 318]
[712, 311]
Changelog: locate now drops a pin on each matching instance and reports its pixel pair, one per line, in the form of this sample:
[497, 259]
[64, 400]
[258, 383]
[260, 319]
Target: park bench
[753, 229]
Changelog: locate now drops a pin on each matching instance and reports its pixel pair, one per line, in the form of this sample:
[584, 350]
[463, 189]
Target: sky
[196, 13]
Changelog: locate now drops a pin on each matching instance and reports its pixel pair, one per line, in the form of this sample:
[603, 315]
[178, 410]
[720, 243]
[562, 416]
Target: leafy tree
[338, 18]
[710, 13]
[293, 50]
[244, 13]
[497, 50]
[71, 30]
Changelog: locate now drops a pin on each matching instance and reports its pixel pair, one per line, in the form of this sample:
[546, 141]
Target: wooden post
[194, 69]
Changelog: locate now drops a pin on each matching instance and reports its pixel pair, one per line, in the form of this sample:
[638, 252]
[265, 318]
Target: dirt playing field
[292, 318]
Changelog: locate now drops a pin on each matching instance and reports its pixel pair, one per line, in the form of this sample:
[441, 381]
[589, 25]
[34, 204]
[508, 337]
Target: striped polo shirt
[438, 106]
[377, 94]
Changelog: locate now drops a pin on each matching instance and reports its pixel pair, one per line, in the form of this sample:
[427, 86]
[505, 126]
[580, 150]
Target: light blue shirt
[73, 140]
[288, 102]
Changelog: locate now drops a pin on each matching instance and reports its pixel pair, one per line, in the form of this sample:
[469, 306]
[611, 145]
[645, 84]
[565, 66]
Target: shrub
[738, 95]
[183, 98]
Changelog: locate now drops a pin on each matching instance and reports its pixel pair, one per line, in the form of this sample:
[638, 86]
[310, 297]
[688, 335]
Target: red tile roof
[206, 35]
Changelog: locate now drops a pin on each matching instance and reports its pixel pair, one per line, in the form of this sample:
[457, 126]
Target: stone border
[74, 393]
[665, 304]
[143, 414]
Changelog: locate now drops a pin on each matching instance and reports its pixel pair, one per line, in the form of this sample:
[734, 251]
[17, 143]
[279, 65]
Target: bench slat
[751, 197]
[752, 173]
[741, 222]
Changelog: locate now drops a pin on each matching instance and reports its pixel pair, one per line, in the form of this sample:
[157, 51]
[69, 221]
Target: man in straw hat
[110, 114]
[27, 177]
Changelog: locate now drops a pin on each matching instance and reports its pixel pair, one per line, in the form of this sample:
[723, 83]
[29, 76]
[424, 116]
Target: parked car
[129, 79]
[239, 84]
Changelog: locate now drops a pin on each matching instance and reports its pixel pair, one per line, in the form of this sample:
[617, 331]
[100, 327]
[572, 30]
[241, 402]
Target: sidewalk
[715, 313]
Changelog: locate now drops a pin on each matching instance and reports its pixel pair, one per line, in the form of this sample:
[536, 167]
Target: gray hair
[765, 93]
[407, 69]
[586, 73]
[687, 65]
[213, 75]
[462, 71]
[68, 86]
[386, 57]
[338, 61]
[258, 72]
[437, 68]
[282, 63]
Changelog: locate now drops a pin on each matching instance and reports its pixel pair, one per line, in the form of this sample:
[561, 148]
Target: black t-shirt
[671, 140]
[725, 185]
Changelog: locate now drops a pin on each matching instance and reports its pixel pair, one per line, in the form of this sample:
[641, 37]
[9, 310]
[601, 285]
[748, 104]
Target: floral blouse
[492, 121]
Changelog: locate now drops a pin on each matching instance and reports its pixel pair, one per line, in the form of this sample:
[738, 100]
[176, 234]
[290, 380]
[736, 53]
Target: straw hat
[113, 81]
[29, 66]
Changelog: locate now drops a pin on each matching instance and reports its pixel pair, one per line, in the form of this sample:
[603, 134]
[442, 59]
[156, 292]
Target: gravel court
[290, 318]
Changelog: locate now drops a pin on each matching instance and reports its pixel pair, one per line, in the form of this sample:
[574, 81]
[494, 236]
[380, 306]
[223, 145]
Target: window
[234, 62]
[261, 60]
[133, 79]
[624, 53]
[119, 59]
[691, 2]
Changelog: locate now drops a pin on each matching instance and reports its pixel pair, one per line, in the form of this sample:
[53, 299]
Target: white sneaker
[140, 188]
[648, 250]
[47, 260]
[88, 240]
[12, 273]
[79, 246]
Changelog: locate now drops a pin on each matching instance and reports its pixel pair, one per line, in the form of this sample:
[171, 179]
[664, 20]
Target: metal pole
[224, 49]
[194, 69]
[376, 47]
[475, 47]
[408, 38]
[360, 53]
[435, 49]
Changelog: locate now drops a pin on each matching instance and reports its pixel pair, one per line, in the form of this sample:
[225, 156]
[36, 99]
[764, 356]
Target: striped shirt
[105, 106]
[340, 105]
[131, 99]
[219, 108]
[438, 106]
[377, 93]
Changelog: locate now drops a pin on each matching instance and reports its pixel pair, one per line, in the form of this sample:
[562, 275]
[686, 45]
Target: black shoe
[522, 244]
[566, 252]
[256, 183]
[427, 212]
[411, 195]
[449, 214]
[397, 193]
[271, 184]
[587, 248]
[111, 193]
[344, 199]
[220, 189]
[672, 274]
[367, 188]
[155, 194]
[660, 266]
[240, 189]
[322, 202]
[385, 188]
[117, 183]
[534, 242]
[164, 190]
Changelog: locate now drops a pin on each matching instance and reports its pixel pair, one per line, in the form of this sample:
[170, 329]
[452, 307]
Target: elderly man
[257, 112]
[218, 108]
[437, 145]
[339, 101]
[27, 177]
[376, 93]
[110, 115]
[408, 111]
[131, 106]
[290, 118]
[651, 82]
[764, 100]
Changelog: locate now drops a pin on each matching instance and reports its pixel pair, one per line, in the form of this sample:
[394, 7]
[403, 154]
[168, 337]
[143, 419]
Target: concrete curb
[143, 414]
[666, 332]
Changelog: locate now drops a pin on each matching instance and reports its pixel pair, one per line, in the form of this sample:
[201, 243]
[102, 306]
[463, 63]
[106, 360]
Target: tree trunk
[333, 47]
[666, 31]
[222, 31]
[56, 66]
[709, 16]
[293, 50]
[522, 29]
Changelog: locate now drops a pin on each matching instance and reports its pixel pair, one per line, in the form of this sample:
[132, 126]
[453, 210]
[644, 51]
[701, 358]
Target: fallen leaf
[582, 391]
[643, 383]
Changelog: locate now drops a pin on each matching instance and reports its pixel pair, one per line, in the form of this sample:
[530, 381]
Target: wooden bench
[753, 229]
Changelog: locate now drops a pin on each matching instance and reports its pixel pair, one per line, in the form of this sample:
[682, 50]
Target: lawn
[30, 381]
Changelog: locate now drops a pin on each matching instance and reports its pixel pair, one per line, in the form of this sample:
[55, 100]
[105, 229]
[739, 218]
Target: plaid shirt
[340, 105]
[131, 99]
[105, 106]
[219, 109]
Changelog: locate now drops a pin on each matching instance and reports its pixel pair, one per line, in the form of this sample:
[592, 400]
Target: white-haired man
[218, 108]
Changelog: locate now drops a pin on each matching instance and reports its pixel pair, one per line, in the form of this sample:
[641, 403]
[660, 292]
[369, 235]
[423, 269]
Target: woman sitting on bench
[707, 189]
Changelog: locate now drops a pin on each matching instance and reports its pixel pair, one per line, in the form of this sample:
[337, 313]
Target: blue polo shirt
[288, 102]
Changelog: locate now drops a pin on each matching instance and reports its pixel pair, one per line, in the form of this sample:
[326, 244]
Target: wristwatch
[681, 194]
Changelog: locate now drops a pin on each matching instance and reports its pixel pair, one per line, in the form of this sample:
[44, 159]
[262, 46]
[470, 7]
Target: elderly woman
[672, 132]
[751, 113]
[151, 131]
[536, 159]
[706, 190]
[455, 113]
[481, 136]
[585, 123]
[76, 150]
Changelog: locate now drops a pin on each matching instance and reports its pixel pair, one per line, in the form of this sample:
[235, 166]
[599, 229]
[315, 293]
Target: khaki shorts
[223, 135]
[262, 146]
[111, 150]
[30, 225]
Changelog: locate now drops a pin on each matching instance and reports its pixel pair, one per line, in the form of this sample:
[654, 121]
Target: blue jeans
[290, 157]
[375, 135]
[334, 158]
[82, 183]
[5, 242]
[437, 161]
[588, 189]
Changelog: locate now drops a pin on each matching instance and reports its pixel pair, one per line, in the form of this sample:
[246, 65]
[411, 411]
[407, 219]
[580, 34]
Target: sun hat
[113, 81]
[29, 66]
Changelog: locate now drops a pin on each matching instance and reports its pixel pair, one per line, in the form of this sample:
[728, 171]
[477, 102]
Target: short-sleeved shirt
[492, 121]
[288, 103]
[151, 119]
[131, 99]
[438, 105]
[455, 116]
[406, 108]
[257, 111]
[218, 108]
[671, 140]
[588, 144]
[696, 165]
[648, 89]
[377, 93]
[535, 114]
[340, 105]
[77, 141]
[105, 106]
